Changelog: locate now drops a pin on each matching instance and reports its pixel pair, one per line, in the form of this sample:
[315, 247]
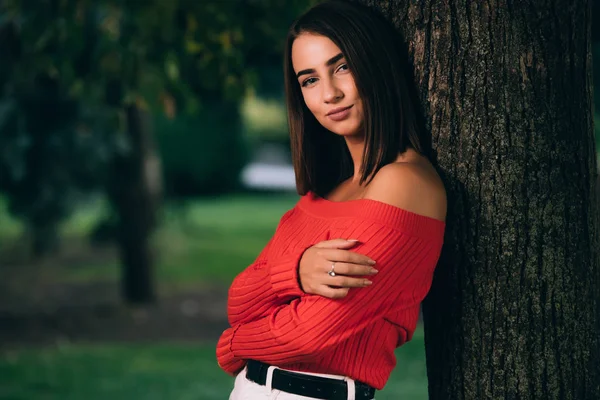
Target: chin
[346, 131]
[347, 128]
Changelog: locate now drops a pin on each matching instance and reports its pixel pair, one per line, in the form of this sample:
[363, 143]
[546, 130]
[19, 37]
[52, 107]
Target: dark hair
[377, 59]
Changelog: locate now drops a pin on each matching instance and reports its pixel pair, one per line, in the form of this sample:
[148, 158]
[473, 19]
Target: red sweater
[275, 322]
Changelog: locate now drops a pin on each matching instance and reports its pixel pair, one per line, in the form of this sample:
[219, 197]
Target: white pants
[245, 389]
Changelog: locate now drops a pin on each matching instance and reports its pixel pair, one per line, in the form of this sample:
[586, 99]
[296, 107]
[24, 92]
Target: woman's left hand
[319, 259]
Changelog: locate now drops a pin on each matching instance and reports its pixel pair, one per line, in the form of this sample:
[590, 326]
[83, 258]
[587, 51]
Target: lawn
[156, 371]
[207, 240]
[200, 242]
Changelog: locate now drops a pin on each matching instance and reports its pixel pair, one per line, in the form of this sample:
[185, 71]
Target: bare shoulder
[411, 186]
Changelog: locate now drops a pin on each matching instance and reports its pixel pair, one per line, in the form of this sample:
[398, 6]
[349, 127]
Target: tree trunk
[135, 191]
[45, 238]
[507, 91]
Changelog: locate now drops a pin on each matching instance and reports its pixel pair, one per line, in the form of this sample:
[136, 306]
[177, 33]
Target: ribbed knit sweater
[274, 321]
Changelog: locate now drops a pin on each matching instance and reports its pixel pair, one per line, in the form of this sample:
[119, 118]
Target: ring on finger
[331, 271]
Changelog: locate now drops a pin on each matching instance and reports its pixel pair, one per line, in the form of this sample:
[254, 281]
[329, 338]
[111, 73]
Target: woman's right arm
[270, 282]
[267, 284]
[264, 284]
[252, 294]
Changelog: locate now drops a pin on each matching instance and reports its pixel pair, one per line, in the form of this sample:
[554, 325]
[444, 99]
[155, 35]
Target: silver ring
[331, 271]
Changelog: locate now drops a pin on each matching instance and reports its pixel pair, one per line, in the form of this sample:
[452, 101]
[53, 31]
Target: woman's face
[327, 84]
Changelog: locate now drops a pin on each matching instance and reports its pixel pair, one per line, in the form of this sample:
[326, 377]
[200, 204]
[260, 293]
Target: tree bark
[506, 87]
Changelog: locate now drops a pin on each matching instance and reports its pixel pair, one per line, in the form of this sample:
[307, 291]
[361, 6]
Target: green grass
[200, 240]
[215, 239]
[113, 372]
[156, 371]
[9, 226]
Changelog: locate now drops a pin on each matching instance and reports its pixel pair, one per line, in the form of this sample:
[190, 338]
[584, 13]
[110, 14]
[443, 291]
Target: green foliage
[265, 119]
[45, 135]
[186, 59]
[50, 154]
[203, 153]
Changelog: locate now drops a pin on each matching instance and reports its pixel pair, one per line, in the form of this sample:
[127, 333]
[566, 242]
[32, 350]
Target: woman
[320, 312]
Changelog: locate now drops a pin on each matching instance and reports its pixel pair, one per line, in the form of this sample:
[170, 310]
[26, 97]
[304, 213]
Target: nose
[331, 92]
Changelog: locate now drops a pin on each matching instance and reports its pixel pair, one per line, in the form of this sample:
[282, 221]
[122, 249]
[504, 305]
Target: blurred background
[144, 162]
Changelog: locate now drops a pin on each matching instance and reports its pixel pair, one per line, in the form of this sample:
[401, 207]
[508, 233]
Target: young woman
[337, 289]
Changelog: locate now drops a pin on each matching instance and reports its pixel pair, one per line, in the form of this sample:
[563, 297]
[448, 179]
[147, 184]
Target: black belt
[307, 385]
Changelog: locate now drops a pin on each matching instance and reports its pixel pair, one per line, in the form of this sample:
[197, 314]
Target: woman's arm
[265, 284]
[259, 290]
[308, 325]
[262, 286]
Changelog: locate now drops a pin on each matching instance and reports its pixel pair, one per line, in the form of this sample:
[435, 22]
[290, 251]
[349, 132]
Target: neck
[356, 147]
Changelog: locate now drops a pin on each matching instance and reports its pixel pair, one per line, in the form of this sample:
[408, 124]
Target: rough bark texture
[507, 92]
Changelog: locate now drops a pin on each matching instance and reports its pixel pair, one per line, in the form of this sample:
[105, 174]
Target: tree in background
[596, 68]
[52, 146]
[507, 90]
[110, 67]
[239, 46]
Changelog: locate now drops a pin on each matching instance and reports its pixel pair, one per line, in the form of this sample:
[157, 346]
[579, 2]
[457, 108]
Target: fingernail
[368, 283]
[374, 271]
[352, 240]
[372, 262]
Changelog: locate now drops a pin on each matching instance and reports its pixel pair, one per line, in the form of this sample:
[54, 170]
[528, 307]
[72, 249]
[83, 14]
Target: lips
[339, 114]
[337, 110]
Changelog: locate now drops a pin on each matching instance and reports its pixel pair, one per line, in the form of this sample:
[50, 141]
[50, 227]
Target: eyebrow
[329, 62]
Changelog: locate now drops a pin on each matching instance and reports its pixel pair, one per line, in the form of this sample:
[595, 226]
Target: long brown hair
[377, 59]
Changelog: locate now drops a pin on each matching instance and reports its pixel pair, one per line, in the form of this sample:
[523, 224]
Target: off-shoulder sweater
[272, 320]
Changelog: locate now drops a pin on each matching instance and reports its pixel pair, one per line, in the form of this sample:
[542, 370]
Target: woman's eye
[308, 81]
[343, 67]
